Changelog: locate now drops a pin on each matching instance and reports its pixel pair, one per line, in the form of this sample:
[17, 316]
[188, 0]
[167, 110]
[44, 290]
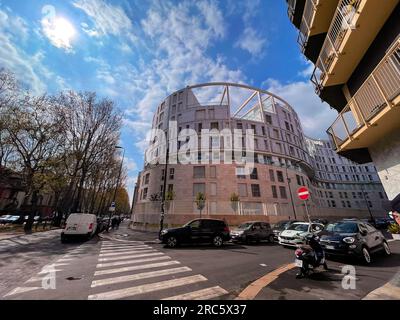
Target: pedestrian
[113, 222]
[395, 207]
[118, 222]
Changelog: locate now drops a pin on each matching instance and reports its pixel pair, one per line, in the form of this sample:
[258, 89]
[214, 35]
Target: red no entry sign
[303, 193]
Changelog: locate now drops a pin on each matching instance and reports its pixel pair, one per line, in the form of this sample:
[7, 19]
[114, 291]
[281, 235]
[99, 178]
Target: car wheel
[366, 256]
[271, 239]
[386, 248]
[218, 241]
[172, 242]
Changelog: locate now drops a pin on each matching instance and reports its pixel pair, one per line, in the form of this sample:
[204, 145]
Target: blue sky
[136, 52]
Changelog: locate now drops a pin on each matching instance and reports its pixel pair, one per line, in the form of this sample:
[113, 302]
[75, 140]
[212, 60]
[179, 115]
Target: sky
[137, 52]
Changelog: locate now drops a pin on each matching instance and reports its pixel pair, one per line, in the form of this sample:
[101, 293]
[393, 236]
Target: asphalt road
[115, 269]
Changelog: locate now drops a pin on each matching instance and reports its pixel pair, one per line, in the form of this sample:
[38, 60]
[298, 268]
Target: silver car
[252, 231]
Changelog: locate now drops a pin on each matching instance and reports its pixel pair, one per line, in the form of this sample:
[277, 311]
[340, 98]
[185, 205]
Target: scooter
[309, 256]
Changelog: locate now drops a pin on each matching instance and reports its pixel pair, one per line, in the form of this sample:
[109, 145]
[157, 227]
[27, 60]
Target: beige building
[355, 47]
[284, 160]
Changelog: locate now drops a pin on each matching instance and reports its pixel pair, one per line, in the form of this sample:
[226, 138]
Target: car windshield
[298, 227]
[343, 227]
[245, 226]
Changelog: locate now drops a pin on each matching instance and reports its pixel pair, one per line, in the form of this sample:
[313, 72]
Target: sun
[59, 31]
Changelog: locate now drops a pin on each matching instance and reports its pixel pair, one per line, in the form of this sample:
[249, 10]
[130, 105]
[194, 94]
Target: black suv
[353, 238]
[197, 231]
[281, 226]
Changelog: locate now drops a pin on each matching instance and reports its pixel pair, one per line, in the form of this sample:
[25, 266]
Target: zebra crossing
[134, 270]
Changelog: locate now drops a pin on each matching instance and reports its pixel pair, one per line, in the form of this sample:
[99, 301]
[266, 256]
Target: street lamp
[117, 184]
[367, 204]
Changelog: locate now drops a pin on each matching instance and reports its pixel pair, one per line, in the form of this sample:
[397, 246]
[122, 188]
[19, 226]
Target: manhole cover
[73, 278]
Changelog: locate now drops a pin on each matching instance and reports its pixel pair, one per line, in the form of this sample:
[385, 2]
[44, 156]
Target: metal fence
[342, 22]
[380, 89]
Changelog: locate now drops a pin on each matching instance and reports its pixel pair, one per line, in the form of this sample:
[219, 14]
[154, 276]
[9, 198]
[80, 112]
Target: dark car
[197, 231]
[353, 238]
[280, 226]
[252, 231]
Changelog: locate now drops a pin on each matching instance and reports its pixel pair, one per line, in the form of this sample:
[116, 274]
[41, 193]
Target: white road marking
[21, 290]
[123, 249]
[148, 253]
[203, 294]
[151, 287]
[65, 259]
[110, 254]
[139, 276]
[139, 267]
[121, 263]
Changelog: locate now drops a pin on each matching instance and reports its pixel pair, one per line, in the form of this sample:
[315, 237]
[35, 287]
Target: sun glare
[60, 31]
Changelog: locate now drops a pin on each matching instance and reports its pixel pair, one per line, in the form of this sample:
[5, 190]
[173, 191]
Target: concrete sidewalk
[389, 291]
[125, 233]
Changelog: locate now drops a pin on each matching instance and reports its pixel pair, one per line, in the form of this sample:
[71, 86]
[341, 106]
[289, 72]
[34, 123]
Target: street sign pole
[308, 214]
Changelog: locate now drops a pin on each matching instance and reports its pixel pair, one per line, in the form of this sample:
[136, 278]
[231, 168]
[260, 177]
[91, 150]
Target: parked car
[353, 238]
[252, 231]
[102, 224]
[5, 218]
[382, 222]
[280, 226]
[197, 231]
[294, 235]
[79, 225]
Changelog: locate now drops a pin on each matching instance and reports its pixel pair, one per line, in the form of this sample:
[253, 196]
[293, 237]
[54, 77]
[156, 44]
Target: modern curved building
[207, 155]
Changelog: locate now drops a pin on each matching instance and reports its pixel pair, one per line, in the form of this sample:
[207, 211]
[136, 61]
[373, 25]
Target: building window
[162, 174]
[280, 176]
[213, 172]
[214, 125]
[199, 172]
[254, 174]
[298, 180]
[268, 119]
[255, 190]
[171, 173]
[199, 187]
[242, 189]
[274, 192]
[263, 130]
[147, 178]
[213, 189]
[282, 191]
[144, 193]
[333, 203]
[240, 173]
[239, 126]
[276, 134]
[271, 175]
[170, 187]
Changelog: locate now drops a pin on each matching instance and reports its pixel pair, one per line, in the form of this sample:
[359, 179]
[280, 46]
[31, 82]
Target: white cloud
[107, 19]
[213, 17]
[315, 115]
[252, 42]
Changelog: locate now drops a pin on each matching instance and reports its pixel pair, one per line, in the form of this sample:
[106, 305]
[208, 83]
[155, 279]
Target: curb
[389, 291]
[103, 236]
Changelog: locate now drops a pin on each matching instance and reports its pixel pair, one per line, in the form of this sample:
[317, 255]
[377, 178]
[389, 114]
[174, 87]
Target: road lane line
[251, 291]
[151, 287]
[139, 267]
[121, 263]
[204, 294]
[139, 276]
[141, 255]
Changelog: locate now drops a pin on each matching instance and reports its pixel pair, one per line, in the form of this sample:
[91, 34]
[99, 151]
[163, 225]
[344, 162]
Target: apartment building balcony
[314, 25]
[373, 111]
[354, 27]
[295, 11]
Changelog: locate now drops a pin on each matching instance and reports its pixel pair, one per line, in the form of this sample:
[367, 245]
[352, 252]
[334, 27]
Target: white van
[79, 225]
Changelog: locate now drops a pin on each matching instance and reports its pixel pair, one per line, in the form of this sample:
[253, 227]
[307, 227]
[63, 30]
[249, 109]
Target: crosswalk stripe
[203, 294]
[121, 244]
[141, 255]
[139, 276]
[65, 259]
[151, 287]
[110, 254]
[21, 290]
[139, 267]
[123, 249]
[121, 263]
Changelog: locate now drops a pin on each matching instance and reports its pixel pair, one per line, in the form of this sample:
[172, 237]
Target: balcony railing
[380, 89]
[342, 22]
[309, 9]
[291, 7]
